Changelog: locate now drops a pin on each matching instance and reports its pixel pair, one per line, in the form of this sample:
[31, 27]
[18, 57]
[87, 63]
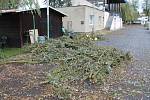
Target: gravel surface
[135, 85]
[23, 82]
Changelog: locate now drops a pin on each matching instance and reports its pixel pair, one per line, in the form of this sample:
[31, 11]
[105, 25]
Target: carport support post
[20, 22]
[34, 26]
[48, 33]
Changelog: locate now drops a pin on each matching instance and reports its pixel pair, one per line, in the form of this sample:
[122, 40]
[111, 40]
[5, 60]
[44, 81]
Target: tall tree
[146, 7]
[9, 4]
[59, 3]
[12, 4]
[129, 13]
[135, 4]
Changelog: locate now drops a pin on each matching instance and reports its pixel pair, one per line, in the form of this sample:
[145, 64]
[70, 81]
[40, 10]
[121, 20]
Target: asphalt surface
[136, 83]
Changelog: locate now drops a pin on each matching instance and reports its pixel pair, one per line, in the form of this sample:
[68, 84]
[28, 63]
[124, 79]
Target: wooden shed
[15, 25]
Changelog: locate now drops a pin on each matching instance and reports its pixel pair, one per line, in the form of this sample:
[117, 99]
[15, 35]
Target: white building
[86, 17]
[83, 18]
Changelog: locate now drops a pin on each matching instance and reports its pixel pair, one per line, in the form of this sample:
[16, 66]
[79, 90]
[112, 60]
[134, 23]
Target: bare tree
[59, 3]
[12, 4]
[146, 7]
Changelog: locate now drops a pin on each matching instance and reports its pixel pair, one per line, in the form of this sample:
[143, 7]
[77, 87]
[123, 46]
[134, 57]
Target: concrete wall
[116, 23]
[106, 17]
[80, 18]
[98, 19]
[76, 16]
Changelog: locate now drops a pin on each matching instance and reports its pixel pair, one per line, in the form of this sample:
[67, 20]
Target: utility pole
[48, 33]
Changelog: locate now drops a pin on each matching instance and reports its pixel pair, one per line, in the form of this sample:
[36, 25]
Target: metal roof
[116, 1]
[23, 10]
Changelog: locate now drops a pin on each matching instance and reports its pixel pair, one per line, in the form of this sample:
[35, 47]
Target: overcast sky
[41, 2]
[140, 5]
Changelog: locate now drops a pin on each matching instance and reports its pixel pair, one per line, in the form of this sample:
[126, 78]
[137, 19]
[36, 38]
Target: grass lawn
[9, 52]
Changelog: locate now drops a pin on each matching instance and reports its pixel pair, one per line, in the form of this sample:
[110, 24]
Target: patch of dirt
[23, 82]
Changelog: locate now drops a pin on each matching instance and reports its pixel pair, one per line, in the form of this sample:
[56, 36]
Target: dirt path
[135, 85]
[22, 82]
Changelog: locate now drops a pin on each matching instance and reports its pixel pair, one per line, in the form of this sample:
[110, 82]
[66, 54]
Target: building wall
[75, 20]
[9, 27]
[79, 16]
[98, 20]
[41, 23]
[106, 17]
[17, 25]
[55, 23]
[116, 23]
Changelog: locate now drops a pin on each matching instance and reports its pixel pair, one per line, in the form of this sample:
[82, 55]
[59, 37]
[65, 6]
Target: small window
[69, 25]
[82, 22]
[91, 20]
[100, 20]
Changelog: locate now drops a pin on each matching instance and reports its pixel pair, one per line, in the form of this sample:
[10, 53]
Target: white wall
[116, 23]
[98, 19]
[75, 15]
[106, 17]
[81, 2]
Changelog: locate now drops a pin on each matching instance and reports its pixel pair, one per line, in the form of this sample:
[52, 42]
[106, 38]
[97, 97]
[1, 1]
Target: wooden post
[20, 22]
[48, 33]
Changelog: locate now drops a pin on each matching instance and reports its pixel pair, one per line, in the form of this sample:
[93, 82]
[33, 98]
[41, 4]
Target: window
[82, 22]
[100, 20]
[69, 26]
[91, 21]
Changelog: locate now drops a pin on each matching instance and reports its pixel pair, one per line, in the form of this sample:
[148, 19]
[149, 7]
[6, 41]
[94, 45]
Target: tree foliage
[12, 4]
[146, 7]
[9, 4]
[59, 3]
[129, 12]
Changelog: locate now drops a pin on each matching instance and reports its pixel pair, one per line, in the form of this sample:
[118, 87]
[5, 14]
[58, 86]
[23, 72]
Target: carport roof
[116, 1]
[23, 10]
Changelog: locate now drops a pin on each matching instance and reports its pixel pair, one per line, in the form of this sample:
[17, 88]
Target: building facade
[83, 18]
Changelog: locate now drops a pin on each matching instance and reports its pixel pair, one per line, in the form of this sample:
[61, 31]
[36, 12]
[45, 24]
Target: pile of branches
[78, 58]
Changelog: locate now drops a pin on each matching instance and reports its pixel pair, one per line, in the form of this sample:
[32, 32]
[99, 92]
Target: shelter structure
[16, 24]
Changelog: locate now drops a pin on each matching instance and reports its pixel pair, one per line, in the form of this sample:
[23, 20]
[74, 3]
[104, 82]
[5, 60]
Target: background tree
[26, 4]
[9, 4]
[135, 4]
[146, 8]
[129, 13]
[59, 3]
[12, 4]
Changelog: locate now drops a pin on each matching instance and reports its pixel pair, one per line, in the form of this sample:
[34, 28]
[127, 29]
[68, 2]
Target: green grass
[9, 52]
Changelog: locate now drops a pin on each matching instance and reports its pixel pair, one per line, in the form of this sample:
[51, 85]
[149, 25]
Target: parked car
[141, 20]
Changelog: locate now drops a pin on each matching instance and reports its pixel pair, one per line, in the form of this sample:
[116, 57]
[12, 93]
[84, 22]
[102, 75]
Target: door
[69, 26]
